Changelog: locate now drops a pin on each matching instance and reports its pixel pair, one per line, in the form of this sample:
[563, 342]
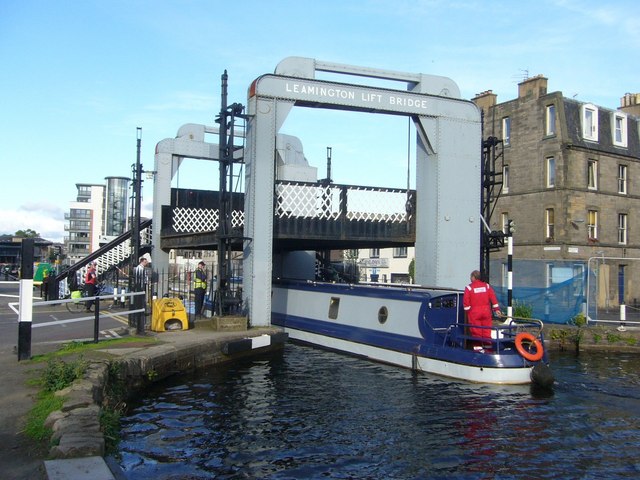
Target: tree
[28, 233]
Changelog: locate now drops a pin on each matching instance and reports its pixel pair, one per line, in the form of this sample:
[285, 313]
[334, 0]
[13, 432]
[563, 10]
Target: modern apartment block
[98, 215]
[571, 184]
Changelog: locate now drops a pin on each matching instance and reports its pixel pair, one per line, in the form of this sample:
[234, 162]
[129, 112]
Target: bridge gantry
[441, 216]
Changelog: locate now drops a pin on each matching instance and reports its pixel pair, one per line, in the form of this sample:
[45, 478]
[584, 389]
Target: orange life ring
[526, 354]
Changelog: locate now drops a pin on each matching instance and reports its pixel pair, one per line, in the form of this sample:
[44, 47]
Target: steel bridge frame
[447, 171]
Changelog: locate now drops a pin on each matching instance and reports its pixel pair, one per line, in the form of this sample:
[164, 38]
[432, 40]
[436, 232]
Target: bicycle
[79, 305]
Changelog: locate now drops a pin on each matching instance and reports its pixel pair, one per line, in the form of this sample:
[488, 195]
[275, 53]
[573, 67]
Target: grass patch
[56, 376]
[60, 374]
[46, 403]
[522, 309]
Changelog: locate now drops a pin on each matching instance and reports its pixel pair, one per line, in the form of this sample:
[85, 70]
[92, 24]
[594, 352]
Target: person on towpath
[90, 281]
[199, 287]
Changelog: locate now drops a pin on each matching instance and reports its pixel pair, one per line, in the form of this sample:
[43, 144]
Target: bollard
[26, 300]
[623, 317]
[96, 320]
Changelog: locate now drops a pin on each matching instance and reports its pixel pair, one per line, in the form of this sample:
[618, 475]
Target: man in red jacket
[478, 301]
[90, 281]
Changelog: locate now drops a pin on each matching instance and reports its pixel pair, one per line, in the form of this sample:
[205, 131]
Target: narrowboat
[410, 326]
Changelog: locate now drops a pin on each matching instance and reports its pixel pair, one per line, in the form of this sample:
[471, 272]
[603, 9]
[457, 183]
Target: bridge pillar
[448, 201]
[266, 116]
[189, 143]
[161, 196]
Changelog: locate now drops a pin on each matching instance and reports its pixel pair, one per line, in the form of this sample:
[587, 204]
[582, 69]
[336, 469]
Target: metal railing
[96, 315]
[502, 336]
[353, 202]
[305, 200]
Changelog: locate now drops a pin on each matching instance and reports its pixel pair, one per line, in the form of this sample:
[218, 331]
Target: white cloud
[146, 209]
[619, 15]
[44, 218]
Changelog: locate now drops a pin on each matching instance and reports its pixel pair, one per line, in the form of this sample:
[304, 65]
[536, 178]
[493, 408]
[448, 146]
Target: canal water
[313, 414]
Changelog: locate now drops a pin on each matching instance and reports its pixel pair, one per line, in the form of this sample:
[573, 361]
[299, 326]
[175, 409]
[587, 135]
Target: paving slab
[94, 468]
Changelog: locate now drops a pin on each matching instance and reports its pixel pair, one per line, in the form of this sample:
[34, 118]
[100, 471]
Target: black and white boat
[410, 326]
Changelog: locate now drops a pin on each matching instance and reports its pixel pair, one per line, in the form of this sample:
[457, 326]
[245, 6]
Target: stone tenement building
[571, 184]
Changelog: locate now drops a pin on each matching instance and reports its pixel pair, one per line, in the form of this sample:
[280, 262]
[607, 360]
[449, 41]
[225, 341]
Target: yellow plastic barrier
[169, 314]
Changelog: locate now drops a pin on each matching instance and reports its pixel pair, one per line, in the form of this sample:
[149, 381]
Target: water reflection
[316, 414]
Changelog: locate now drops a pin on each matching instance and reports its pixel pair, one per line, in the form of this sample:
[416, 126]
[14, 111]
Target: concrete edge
[76, 426]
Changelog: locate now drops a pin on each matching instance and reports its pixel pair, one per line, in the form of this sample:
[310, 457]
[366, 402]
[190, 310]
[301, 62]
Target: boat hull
[416, 333]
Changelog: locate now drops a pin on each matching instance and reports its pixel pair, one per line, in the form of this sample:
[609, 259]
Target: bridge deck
[308, 216]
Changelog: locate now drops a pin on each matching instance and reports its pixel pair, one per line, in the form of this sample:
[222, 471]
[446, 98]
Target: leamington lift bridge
[448, 166]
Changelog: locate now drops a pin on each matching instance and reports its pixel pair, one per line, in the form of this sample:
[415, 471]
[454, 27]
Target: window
[79, 225]
[506, 130]
[592, 225]
[505, 179]
[400, 252]
[622, 228]
[619, 129]
[504, 217]
[334, 308]
[549, 221]
[622, 179]
[592, 174]
[374, 253]
[551, 120]
[80, 213]
[551, 172]
[383, 314]
[590, 122]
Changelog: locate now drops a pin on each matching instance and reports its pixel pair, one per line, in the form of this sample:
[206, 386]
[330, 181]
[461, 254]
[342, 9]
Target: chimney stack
[485, 100]
[630, 103]
[532, 88]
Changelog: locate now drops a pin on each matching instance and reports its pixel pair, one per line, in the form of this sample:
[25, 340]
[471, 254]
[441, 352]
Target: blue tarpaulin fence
[554, 290]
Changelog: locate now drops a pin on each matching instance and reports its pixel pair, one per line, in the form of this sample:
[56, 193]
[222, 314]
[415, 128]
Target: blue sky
[78, 77]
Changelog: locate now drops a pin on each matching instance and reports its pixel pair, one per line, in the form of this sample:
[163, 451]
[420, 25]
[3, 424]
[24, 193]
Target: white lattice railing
[186, 219]
[295, 200]
[378, 205]
[307, 200]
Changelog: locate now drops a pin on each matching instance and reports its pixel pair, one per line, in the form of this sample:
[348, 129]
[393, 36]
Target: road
[51, 323]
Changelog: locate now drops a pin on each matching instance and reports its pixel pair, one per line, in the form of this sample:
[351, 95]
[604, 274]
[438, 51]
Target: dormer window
[590, 122]
[619, 129]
